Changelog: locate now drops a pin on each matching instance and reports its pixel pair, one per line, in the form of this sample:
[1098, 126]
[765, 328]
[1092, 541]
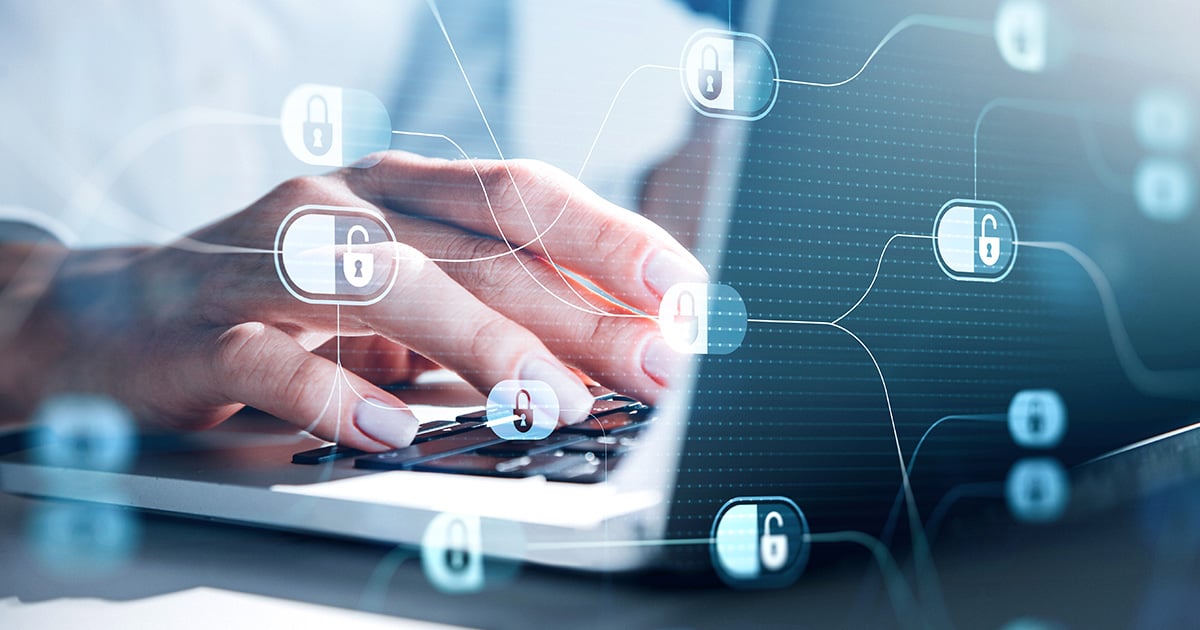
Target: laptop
[877, 371]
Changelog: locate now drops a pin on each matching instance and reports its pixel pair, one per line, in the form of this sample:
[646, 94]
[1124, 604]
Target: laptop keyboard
[580, 453]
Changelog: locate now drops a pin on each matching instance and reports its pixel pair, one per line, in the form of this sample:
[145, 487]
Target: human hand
[187, 338]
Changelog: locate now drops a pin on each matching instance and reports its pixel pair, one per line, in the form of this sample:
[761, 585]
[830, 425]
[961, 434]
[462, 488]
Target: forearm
[34, 301]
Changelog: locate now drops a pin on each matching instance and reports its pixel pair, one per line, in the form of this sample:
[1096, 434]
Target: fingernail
[381, 422]
[665, 269]
[661, 362]
[574, 400]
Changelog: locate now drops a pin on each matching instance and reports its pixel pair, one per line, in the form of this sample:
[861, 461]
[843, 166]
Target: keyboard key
[325, 454]
[601, 447]
[519, 448]
[453, 428]
[479, 415]
[574, 468]
[571, 467]
[403, 458]
[473, 464]
[434, 425]
[613, 405]
[608, 424]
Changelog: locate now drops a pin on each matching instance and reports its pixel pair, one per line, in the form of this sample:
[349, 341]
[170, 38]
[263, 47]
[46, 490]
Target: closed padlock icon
[710, 76]
[318, 131]
[357, 267]
[458, 554]
[524, 413]
[773, 548]
[989, 246]
[687, 320]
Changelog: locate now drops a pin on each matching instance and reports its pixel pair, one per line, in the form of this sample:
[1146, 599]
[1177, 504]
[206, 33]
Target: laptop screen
[868, 334]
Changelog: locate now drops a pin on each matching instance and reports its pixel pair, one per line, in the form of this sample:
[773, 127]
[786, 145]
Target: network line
[1166, 383]
[890, 524]
[960, 25]
[942, 509]
[1087, 136]
[432, 4]
[91, 191]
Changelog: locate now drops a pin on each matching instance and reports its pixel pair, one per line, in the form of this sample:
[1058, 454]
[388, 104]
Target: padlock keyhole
[358, 269]
[318, 138]
[710, 83]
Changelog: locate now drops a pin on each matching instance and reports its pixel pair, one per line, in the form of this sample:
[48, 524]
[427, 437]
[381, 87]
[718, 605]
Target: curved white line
[1168, 383]
[961, 25]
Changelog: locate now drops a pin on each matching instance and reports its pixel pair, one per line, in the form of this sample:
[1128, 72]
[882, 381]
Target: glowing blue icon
[311, 240]
[1163, 120]
[1022, 30]
[759, 542]
[699, 318]
[325, 125]
[1164, 189]
[1037, 418]
[452, 553]
[975, 240]
[84, 431]
[522, 410]
[1037, 490]
[729, 75]
[83, 539]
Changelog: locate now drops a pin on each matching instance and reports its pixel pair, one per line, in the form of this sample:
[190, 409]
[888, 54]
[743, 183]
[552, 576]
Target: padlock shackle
[357, 229]
[691, 303]
[528, 399]
[324, 109]
[986, 218]
[773, 516]
[716, 57]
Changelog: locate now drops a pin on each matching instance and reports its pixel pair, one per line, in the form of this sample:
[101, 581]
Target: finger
[263, 367]
[626, 353]
[432, 314]
[625, 254]
[376, 359]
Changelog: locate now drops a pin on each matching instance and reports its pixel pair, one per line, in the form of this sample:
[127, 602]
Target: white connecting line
[1087, 136]
[961, 25]
[1166, 383]
[923, 556]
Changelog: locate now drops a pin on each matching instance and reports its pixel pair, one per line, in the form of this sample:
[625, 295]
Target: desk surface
[1100, 571]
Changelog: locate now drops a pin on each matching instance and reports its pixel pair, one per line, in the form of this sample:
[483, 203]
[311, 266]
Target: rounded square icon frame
[732, 35]
[374, 215]
[782, 579]
[975, 203]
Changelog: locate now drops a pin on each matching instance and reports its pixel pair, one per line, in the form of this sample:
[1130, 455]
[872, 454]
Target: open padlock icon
[523, 413]
[357, 267]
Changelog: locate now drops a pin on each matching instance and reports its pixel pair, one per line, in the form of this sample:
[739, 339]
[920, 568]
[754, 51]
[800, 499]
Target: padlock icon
[1034, 416]
[524, 413]
[318, 134]
[1036, 492]
[687, 320]
[710, 77]
[357, 267]
[457, 554]
[773, 548]
[989, 246]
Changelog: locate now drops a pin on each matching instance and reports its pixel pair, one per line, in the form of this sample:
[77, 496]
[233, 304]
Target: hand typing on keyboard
[187, 334]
